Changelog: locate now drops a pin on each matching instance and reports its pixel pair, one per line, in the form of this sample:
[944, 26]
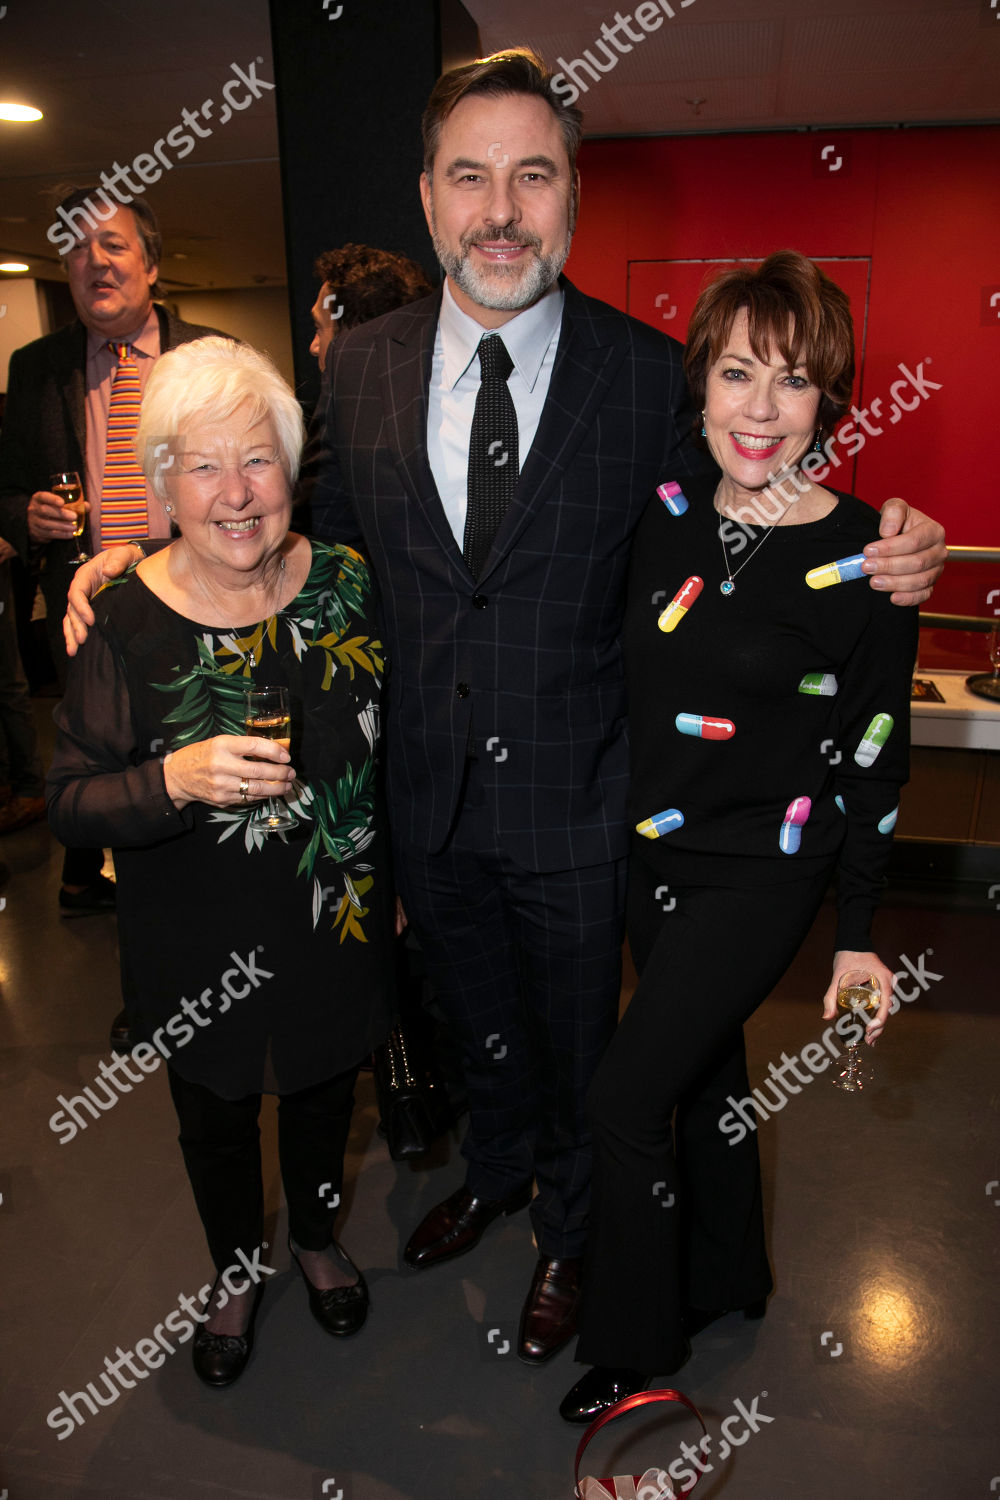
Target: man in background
[360, 283]
[73, 401]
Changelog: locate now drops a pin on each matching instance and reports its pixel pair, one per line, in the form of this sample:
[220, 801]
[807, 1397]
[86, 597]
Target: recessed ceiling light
[14, 265]
[10, 111]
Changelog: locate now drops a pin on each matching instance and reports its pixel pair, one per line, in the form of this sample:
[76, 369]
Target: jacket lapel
[407, 358]
[585, 365]
[70, 366]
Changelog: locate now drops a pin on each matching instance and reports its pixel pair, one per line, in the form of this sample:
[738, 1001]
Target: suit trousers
[81, 866]
[677, 1214]
[19, 761]
[526, 967]
[220, 1143]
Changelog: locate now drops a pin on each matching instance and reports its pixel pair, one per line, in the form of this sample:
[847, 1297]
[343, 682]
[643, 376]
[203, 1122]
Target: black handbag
[412, 1101]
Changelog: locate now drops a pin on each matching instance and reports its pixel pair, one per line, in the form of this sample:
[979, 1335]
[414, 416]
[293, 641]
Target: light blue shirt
[531, 337]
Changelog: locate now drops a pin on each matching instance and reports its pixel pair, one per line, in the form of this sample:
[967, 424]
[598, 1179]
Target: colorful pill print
[840, 803]
[661, 823]
[681, 603]
[844, 570]
[673, 497]
[875, 737]
[797, 813]
[705, 729]
[819, 684]
[888, 823]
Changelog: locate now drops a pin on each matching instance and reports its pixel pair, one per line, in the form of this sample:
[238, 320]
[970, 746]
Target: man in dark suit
[507, 754]
[56, 419]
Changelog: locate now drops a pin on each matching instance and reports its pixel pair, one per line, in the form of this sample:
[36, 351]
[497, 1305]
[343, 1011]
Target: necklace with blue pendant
[727, 587]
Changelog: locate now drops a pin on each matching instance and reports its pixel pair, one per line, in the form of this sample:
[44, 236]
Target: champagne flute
[858, 993]
[267, 715]
[66, 484]
[993, 686]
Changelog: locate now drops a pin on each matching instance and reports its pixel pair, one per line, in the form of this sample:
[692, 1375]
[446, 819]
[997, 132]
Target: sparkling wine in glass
[267, 715]
[66, 484]
[993, 686]
[858, 993]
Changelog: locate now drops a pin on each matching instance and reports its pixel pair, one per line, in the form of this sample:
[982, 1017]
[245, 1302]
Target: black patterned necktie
[493, 466]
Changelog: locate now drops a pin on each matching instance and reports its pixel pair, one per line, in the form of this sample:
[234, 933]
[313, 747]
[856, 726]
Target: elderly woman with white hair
[257, 955]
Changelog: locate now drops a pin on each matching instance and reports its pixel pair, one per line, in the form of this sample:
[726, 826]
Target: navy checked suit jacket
[532, 647]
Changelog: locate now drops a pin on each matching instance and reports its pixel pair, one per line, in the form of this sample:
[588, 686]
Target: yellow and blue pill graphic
[661, 823]
[819, 684]
[673, 497]
[844, 570]
[875, 737]
[797, 813]
[705, 729]
[888, 823]
[840, 803]
[681, 603]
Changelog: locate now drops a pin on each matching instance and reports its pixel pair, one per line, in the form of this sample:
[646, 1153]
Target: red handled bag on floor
[655, 1484]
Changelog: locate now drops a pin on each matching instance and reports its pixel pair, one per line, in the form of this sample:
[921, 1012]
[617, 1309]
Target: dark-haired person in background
[766, 654]
[360, 283]
[59, 398]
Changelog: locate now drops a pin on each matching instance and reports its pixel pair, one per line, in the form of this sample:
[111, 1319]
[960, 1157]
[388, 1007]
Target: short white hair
[201, 384]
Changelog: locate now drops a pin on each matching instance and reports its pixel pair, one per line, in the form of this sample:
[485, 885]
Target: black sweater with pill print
[769, 726]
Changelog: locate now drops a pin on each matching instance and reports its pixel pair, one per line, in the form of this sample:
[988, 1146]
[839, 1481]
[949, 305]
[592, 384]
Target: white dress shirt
[531, 338]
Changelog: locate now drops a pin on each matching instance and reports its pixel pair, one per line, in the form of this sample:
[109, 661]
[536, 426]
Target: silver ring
[244, 788]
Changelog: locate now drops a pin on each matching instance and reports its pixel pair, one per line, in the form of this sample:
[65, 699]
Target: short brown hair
[792, 307]
[517, 71]
[369, 282]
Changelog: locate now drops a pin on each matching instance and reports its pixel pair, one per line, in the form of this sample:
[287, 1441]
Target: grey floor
[874, 1373]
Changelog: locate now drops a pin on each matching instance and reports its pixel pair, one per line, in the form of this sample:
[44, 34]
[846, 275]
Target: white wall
[259, 315]
[20, 318]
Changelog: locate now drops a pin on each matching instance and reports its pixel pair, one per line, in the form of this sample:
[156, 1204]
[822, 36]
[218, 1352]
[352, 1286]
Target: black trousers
[81, 866]
[526, 967]
[676, 1208]
[220, 1142]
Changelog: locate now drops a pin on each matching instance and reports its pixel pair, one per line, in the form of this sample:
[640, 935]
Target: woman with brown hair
[768, 714]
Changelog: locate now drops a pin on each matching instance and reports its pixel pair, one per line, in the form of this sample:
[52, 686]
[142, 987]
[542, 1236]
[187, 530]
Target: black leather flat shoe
[341, 1310]
[598, 1390]
[694, 1319]
[219, 1359]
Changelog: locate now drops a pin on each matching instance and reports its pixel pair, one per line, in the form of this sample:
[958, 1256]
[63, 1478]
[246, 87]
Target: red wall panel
[922, 205]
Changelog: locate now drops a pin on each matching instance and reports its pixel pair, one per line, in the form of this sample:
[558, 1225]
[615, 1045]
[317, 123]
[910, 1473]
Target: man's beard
[501, 287]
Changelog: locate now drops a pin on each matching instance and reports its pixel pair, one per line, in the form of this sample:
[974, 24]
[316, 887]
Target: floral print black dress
[250, 961]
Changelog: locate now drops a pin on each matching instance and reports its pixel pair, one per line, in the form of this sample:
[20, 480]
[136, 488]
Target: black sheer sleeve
[104, 787]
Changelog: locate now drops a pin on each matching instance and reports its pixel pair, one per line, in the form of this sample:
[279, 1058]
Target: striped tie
[123, 493]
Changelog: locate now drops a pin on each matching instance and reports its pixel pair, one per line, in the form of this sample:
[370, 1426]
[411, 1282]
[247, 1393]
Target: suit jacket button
[462, 690]
[479, 601]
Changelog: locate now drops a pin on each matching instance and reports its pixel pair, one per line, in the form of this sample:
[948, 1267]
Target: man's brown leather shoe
[548, 1319]
[457, 1225]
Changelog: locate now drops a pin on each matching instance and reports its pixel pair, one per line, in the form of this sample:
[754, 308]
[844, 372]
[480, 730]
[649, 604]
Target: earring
[168, 508]
[703, 432]
[817, 445]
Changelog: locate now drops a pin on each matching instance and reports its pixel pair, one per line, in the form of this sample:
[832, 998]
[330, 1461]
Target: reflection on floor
[873, 1374]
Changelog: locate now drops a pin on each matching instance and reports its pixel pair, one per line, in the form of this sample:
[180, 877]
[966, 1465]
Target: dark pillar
[350, 92]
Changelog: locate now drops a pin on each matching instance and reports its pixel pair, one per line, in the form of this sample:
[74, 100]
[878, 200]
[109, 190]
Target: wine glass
[267, 715]
[992, 687]
[858, 992]
[66, 484]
